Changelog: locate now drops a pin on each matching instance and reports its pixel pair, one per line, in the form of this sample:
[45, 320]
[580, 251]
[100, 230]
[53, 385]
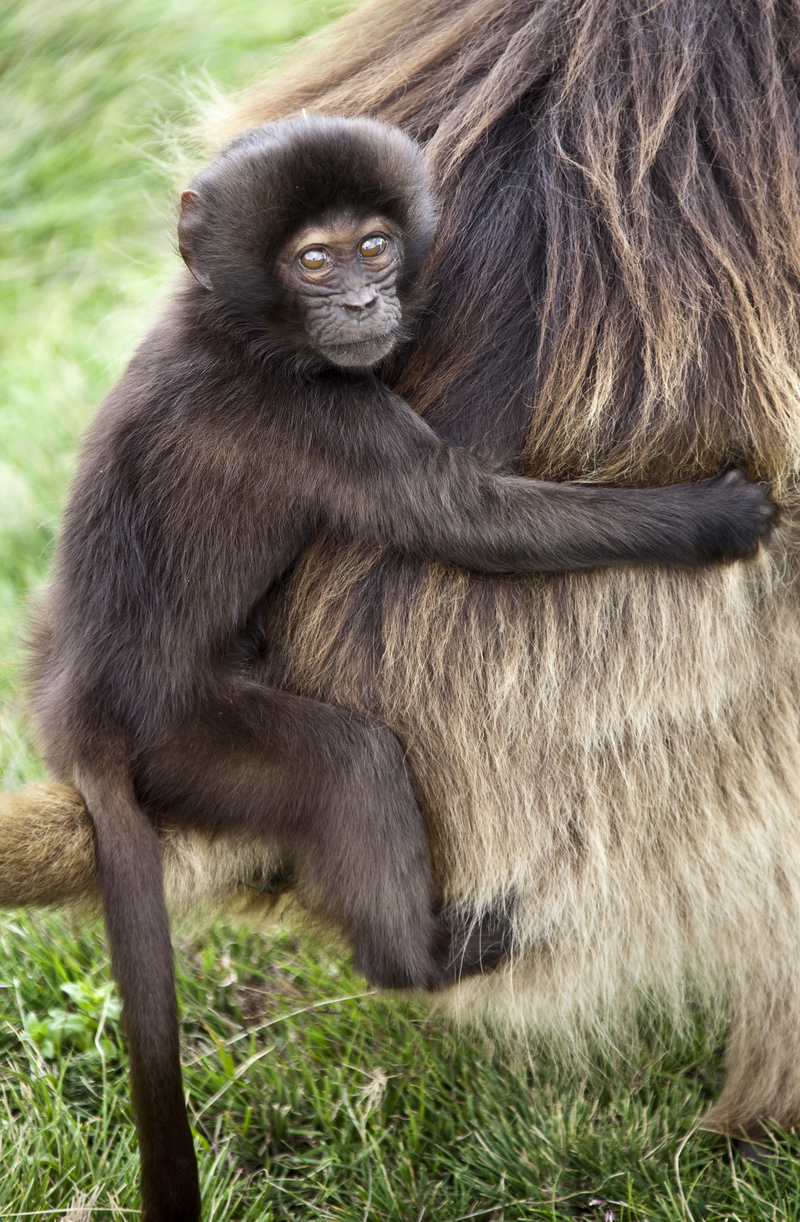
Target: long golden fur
[613, 296]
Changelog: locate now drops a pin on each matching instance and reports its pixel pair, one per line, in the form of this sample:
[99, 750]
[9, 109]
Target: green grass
[305, 1106]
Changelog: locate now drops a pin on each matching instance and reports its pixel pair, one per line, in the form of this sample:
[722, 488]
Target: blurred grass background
[305, 1106]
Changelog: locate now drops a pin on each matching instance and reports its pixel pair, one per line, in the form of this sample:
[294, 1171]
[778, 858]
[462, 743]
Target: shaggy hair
[613, 756]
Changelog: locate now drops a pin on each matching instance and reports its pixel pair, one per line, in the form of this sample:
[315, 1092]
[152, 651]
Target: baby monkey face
[340, 276]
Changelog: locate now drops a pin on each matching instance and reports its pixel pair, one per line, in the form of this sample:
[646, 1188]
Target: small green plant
[86, 1025]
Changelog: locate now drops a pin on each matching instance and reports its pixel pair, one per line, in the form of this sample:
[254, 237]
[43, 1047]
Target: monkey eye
[313, 260]
[371, 247]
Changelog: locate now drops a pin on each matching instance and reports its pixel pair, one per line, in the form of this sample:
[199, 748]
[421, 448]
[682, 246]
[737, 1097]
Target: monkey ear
[188, 225]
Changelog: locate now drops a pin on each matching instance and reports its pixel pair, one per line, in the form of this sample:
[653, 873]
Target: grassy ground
[310, 1100]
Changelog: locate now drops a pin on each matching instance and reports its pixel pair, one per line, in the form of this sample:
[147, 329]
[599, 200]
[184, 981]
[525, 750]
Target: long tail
[137, 927]
[47, 847]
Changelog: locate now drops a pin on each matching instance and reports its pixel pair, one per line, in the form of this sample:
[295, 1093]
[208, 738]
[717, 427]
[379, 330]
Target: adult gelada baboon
[614, 755]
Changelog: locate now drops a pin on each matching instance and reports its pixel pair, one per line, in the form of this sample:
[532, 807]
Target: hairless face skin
[340, 274]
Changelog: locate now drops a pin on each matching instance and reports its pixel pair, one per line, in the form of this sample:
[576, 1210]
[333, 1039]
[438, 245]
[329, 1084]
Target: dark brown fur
[612, 296]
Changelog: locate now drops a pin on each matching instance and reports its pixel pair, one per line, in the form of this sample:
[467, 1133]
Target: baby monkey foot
[454, 947]
[277, 882]
[474, 946]
[444, 949]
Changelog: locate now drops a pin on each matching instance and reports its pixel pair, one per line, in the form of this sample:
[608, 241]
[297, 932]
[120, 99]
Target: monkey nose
[359, 302]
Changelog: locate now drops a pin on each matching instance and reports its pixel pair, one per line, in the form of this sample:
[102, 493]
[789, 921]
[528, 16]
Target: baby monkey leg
[329, 790]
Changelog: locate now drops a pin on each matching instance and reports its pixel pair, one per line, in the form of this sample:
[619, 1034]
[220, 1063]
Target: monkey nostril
[357, 309]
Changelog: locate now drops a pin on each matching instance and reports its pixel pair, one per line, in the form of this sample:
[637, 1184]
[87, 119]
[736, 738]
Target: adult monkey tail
[47, 847]
[130, 878]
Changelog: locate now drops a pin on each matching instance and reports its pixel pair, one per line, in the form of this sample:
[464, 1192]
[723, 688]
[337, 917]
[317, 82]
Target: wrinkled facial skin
[340, 277]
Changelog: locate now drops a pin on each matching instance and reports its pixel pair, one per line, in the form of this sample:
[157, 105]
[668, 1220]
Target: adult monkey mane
[612, 297]
[619, 244]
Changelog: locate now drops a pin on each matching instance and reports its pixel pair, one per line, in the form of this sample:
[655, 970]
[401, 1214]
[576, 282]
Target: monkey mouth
[361, 353]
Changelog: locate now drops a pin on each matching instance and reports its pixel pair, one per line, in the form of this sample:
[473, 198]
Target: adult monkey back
[614, 753]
